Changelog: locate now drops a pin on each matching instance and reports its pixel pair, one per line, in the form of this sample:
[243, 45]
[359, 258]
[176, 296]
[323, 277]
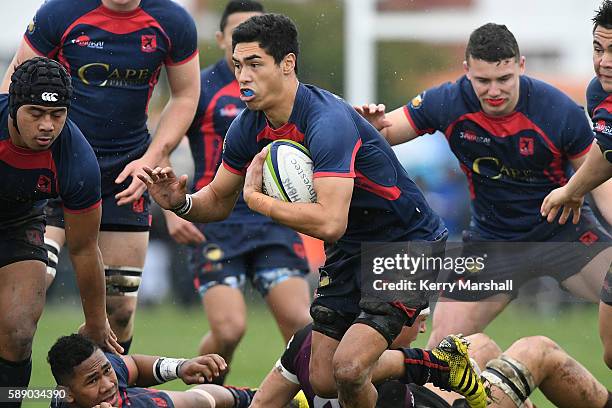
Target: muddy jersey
[115, 59]
[511, 162]
[386, 204]
[67, 169]
[599, 106]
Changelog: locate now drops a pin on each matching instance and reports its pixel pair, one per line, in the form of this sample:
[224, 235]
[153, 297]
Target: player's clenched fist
[202, 369]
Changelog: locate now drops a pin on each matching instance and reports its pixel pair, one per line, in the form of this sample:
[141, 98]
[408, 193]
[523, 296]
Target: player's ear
[69, 397]
[219, 38]
[288, 63]
[522, 64]
[466, 68]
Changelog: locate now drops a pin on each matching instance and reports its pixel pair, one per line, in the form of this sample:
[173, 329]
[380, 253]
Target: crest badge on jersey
[148, 43]
[526, 146]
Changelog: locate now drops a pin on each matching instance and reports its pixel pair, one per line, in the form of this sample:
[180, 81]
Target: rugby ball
[287, 172]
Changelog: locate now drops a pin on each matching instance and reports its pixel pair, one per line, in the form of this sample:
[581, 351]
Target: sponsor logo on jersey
[493, 168]
[85, 41]
[230, 111]
[471, 136]
[102, 74]
[526, 146]
[602, 127]
[148, 43]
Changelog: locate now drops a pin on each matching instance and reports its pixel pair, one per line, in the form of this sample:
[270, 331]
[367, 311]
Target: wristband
[185, 208]
[167, 369]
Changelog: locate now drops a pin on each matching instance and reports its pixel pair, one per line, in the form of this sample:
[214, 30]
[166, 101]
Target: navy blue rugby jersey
[132, 397]
[218, 106]
[511, 162]
[67, 169]
[386, 204]
[115, 59]
[599, 106]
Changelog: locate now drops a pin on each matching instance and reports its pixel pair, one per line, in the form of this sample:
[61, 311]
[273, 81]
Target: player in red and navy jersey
[43, 155]
[115, 50]
[92, 378]
[597, 168]
[516, 139]
[363, 195]
[246, 244]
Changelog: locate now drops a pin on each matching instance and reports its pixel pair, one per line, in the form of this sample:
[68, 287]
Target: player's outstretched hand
[166, 189]
[134, 191]
[202, 369]
[103, 336]
[254, 174]
[183, 231]
[558, 198]
[375, 114]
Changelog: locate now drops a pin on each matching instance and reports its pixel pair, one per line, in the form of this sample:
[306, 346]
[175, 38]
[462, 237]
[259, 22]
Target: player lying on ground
[91, 378]
[512, 376]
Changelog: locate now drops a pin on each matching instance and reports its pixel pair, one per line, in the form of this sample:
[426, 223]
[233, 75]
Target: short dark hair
[492, 43]
[275, 33]
[603, 16]
[239, 6]
[67, 353]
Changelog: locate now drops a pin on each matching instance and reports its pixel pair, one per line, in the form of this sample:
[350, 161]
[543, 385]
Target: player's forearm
[89, 270]
[603, 198]
[173, 125]
[144, 365]
[308, 218]
[208, 206]
[593, 172]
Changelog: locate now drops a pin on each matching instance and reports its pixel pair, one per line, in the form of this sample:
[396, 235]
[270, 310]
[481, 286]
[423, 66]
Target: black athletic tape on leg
[509, 383]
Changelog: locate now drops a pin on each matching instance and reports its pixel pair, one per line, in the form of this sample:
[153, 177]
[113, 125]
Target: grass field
[174, 331]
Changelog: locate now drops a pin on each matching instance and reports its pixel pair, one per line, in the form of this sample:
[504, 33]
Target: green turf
[173, 331]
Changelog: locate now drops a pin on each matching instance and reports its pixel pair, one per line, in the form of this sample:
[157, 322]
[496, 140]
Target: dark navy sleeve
[120, 368]
[78, 172]
[236, 156]
[181, 29]
[577, 136]
[429, 111]
[333, 141]
[600, 109]
[45, 32]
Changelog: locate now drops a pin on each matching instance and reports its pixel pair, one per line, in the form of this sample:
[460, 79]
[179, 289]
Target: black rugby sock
[242, 396]
[126, 345]
[14, 374]
[423, 367]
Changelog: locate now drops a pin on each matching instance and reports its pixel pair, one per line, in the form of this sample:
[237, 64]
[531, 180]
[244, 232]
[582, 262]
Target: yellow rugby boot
[463, 379]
